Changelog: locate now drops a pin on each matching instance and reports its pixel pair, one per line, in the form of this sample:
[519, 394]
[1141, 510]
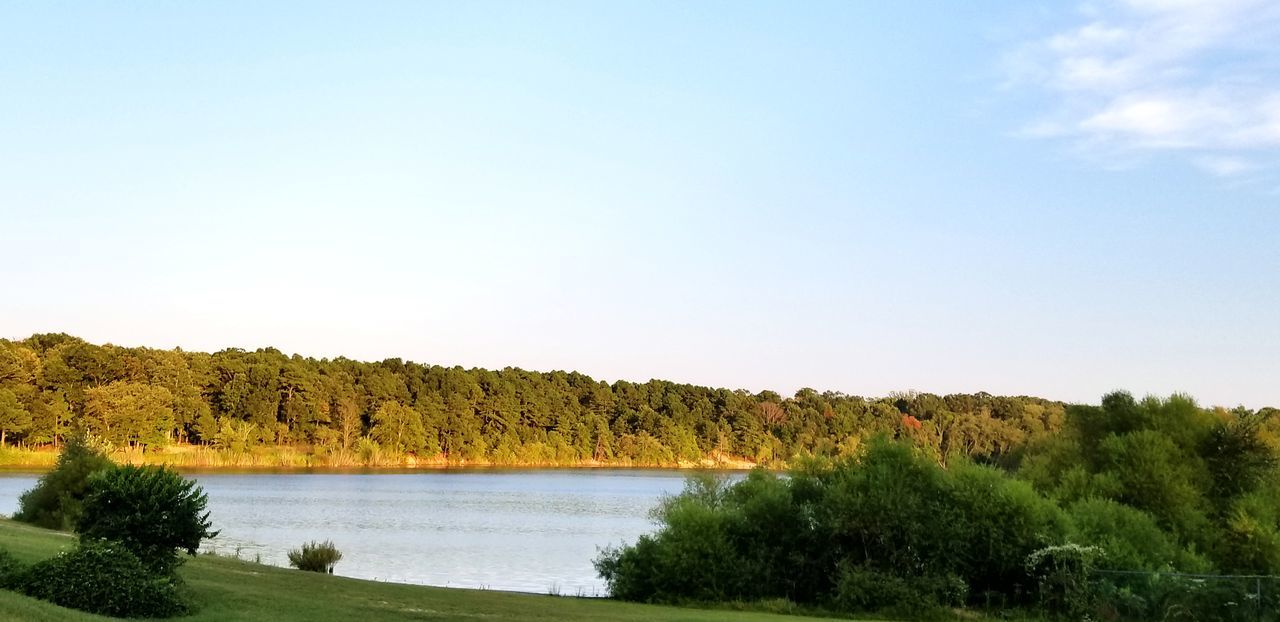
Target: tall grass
[363, 453]
[28, 457]
[315, 557]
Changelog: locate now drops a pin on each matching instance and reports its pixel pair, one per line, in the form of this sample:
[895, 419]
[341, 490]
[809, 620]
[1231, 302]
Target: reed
[366, 455]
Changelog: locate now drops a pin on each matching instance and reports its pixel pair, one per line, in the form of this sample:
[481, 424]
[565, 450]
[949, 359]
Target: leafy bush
[1000, 521]
[1203, 598]
[861, 589]
[888, 528]
[55, 501]
[105, 578]
[10, 569]
[152, 511]
[1129, 538]
[1062, 575]
[315, 557]
[720, 543]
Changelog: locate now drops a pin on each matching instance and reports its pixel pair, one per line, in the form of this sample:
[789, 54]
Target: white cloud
[1186, 76]
[1225, 166]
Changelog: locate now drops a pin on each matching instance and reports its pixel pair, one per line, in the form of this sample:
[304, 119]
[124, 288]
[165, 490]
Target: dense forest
[234, 400]
[237, 400]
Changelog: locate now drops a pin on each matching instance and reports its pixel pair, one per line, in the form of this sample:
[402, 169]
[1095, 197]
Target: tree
[130, 413]
[152, 511]
[344, 410]
[55, 501]
[235, 436]
[398, 427]
[50, 419]
[14, 417]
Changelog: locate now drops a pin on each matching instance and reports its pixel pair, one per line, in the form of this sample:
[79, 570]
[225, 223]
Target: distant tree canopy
[236, 400]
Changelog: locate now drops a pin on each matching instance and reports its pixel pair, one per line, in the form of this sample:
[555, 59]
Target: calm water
[526, 530]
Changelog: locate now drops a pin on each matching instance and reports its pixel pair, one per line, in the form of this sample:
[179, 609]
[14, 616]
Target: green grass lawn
[229, 589]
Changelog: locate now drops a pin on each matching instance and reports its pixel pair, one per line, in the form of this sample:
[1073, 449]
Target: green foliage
[695, 543]
[1161, 597]
[1190, 489]
[860, 589]
[55, 501]
[10, 569]
[315, 557]
[139, 397]
[1155, 476]
[105, 578]
[1251, 534]
[235, 436]
[152, 511]
[398, 427]
[1128, 538]
[1001, 519]
[1237, 456]
[1062, 578]
[1144, 484]
[130, 413]
[850, 533]
[14, 416]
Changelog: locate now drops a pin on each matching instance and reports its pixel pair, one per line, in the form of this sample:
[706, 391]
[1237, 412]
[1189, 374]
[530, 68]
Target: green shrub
[10, 569]
[1063, 577]
[862, 589]
[888, 527]
[315, 557]
[55, 501]
[1157, 596]
[1001, 522]
[105, 578]
[1129, 538]
[693, 559]
[152, 511]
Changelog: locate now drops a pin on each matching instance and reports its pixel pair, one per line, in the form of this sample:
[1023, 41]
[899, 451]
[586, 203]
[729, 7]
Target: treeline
[1086, 524]
[239, 401]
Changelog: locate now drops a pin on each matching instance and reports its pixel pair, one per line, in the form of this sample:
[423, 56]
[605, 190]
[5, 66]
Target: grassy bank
[289, 457]
[229, 589]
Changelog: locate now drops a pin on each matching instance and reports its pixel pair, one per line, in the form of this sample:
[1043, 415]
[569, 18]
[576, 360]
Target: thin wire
[1189, 575]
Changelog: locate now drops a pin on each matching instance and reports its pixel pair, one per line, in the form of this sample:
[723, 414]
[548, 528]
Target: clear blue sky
[1056, 199]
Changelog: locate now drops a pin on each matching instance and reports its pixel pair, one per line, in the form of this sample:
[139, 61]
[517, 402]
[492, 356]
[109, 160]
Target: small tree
[55, 501]
[152, 511]
[315, 557]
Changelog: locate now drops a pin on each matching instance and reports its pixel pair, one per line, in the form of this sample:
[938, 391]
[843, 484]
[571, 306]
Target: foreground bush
[1201, 598]
[889, 530]
[152, 511]
[315, 557]
[55, 501]
[859, 589]
[104, 578]
[10, 569]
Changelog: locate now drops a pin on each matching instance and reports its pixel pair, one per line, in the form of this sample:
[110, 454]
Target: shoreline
[283, 459]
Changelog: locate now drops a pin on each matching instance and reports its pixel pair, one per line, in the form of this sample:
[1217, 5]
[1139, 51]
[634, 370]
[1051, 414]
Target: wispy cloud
[1193, 77]
[1225, 166]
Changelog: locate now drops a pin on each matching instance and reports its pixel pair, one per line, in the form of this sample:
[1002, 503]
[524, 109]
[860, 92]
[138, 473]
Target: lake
[523, 530]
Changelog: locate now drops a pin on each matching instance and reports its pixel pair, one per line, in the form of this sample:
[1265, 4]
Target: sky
[1050, 199]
